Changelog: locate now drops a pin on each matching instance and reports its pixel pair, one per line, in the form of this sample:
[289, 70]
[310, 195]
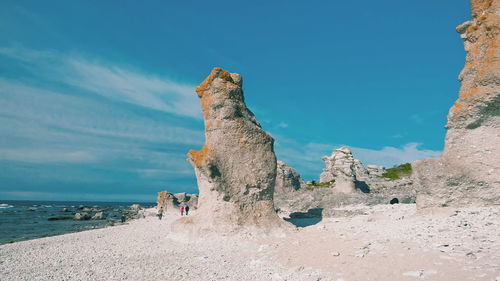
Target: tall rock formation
[468, 173]
[236, 168]
[340, 167]
[287, 179]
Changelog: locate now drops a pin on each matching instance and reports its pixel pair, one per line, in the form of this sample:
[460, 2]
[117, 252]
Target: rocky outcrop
[99, 216]
[134, 207]
[166, 202]
[236, 168]
[185, 199]
[468, 173]
[346, 174]
[170, 203]
[82, 216]
[340, 167]
[287, 179]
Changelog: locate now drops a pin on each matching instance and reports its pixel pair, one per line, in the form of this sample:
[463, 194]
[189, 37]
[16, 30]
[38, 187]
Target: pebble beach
[383, 242]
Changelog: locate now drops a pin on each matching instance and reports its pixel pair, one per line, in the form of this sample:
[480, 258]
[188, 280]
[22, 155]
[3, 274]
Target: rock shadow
[361, 185]
[304, 219]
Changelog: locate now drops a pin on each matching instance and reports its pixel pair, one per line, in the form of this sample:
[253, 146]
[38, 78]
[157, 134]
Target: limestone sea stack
[468, 173]
[340, 167]
[236, 168]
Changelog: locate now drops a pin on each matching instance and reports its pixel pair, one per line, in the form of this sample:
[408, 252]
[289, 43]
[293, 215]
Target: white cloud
[32, 111]
[390, 156]
[282, 125]
[124, 85]
[47, 156]
[111, 81]
[44, 127]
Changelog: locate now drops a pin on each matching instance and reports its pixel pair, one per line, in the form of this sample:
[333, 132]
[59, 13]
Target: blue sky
[97, 98]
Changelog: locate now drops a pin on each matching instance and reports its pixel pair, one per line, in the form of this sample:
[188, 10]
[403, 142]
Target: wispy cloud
[40, 111]
[282, 125]
[110, 80]
[47, 156]
[71, 121]
[145, 90]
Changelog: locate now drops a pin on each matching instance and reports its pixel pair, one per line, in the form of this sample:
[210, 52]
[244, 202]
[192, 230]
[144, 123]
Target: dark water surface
[24, 220]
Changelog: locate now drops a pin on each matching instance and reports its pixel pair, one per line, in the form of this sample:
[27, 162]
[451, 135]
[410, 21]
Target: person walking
[160, 213]
[186, 210]
[182, 210]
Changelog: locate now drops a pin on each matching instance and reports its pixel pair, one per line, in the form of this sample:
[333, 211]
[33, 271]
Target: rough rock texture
[351, 175]
[236, 168]
[185, 199]
[193, 202]
[287, 179]
[166, 202]
[170, 203]
[371, 186]
[375, 171]
[340, 167]
[468, 173]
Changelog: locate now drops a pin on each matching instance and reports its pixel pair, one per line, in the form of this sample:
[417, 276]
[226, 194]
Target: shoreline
[387, 242]
[25, 219]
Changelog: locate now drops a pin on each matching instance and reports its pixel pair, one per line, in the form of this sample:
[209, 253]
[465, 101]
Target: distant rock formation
[287, 179]
[373, 185]
[170, 203]
[340, 167]
[468, 173]
[347, 174]
[236, 168]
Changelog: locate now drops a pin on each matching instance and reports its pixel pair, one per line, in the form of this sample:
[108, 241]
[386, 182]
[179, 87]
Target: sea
[25, 220]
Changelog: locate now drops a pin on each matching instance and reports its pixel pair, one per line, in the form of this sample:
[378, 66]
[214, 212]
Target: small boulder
[99, 216]
[82, 216]
[135, 207]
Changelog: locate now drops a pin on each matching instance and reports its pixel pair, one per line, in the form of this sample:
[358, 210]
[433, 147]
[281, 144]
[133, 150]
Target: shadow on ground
[304, 219]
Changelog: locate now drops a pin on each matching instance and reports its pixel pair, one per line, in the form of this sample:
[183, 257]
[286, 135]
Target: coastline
[22, 220]
[387, 242]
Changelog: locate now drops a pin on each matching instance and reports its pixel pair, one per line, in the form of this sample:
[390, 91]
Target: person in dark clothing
[160, 213]
[186, 209]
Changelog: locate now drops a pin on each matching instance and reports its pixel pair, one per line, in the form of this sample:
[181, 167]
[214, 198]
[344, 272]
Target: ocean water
[24, 220]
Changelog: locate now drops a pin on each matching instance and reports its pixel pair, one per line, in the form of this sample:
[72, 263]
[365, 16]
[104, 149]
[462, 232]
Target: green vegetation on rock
[311, 186]
[398, 172]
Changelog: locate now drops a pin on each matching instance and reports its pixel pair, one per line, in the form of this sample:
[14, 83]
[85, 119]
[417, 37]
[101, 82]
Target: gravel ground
[384, 242]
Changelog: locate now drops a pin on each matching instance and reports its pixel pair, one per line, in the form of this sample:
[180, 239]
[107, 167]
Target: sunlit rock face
[236, 168]
[468, 173]
[340, 167]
